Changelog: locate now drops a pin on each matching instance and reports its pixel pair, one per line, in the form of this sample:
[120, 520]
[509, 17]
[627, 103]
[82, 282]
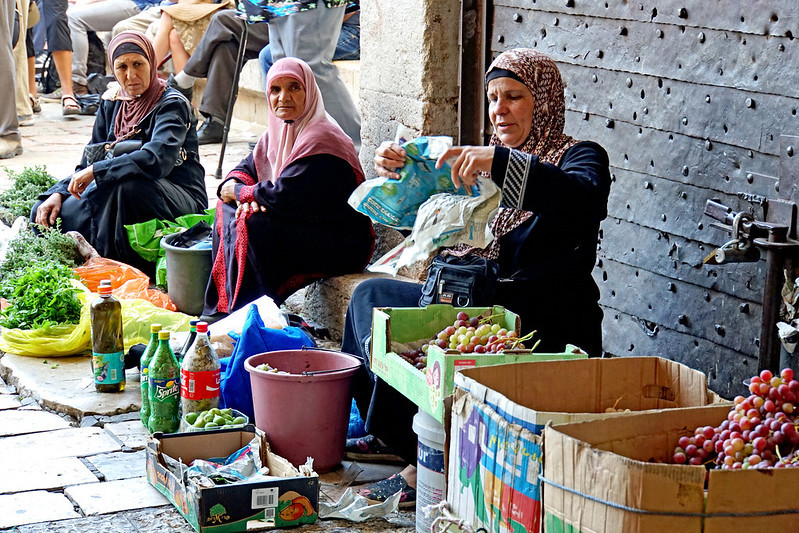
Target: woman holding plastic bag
[554, 195]
[282, 219]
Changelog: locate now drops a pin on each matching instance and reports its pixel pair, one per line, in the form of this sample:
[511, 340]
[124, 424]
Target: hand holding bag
[460, 281]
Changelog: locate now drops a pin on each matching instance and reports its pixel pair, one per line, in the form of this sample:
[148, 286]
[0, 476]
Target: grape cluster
[467, 334]
[760, 430]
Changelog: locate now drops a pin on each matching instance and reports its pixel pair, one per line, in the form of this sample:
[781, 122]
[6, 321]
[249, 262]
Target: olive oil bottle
[108, 352]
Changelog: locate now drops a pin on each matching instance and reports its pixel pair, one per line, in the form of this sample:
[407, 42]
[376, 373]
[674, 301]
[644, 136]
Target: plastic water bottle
[149, 351]
[164, 388]
[108, 352]
[199, 375]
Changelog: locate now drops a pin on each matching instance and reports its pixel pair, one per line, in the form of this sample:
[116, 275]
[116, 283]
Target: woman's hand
[228, 195]
[228, 192]
[389, 157]
[48, 211]
[469, 162]
[246, 208]
[80, 181]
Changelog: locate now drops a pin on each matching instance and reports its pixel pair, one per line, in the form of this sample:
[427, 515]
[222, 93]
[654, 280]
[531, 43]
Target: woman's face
[286, 98]
[510, 109]
[132, 71]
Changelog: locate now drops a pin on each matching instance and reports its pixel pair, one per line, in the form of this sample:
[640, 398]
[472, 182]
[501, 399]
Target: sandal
[36, 106]
[69, 105]
[380, 491]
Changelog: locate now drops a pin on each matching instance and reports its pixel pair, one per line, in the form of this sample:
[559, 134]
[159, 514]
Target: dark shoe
[370, 449]
[382, 490]
[79, 89]
[188, 93]
[210, 132]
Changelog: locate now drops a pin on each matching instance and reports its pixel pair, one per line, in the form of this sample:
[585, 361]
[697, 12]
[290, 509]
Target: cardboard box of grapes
[616, 476]
[499, 412]
[396, 330]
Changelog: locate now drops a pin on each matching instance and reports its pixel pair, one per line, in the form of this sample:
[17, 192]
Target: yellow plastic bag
[75, 339]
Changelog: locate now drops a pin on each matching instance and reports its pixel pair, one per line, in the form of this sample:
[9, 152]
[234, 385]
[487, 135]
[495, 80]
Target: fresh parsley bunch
[28, 248]
[26, 187]
[42, 296]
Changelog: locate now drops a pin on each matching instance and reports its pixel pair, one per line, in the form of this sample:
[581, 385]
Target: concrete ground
[74, 458]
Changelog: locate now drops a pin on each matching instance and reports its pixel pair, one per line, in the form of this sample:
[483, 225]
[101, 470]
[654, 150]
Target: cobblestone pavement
[66, 466]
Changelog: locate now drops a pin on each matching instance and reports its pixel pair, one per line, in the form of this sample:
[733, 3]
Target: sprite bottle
[163, 377]
[108, 352]
[149, 351]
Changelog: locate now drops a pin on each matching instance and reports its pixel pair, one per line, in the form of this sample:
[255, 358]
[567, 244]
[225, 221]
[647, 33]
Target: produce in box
[760, 430]
[476, 334]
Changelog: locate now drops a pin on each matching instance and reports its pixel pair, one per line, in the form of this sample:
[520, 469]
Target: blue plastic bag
[395, 202]
[255, 338]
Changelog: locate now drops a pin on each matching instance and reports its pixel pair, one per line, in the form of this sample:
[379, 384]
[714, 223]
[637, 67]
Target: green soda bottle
[108, 352]
[149, 351]
[164, 388]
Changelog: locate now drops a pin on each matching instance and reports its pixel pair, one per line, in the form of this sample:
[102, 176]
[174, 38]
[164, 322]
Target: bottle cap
[155, 328]
[105, 287]
[163, 335]
[202, 327]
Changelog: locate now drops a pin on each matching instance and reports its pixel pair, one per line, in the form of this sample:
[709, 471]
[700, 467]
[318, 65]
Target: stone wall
[408, 70]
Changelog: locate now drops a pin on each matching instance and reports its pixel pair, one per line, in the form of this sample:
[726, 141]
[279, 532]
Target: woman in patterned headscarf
[100, 198]
[554, 195]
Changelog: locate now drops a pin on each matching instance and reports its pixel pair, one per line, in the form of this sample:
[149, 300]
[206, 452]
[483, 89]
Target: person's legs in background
[215, 59]
[139, 22]
[313, 36]
[33, 92]
[54, 18]
[22, 98]
[10, 140]
[98, 16]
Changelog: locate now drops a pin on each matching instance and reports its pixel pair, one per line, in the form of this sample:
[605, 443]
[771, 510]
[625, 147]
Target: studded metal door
[690, 99]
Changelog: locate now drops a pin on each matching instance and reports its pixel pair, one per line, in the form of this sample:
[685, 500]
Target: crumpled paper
[356, 508]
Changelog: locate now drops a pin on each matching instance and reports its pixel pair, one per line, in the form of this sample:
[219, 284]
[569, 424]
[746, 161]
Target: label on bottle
[164, 390]
[109, 368]
[199, 385]
[145, 372]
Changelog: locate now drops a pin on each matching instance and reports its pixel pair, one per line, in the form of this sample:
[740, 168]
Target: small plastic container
[185, 427]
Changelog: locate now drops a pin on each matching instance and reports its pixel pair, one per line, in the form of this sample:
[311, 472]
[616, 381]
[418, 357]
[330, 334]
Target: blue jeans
[348, 48]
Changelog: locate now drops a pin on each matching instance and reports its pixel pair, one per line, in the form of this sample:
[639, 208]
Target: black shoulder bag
[469, 281]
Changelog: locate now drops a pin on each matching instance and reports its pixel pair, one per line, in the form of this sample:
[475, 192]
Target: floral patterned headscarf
[546, 140]
[541, 76]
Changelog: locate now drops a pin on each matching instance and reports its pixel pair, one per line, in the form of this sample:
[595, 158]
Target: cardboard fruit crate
[499, 412]
[427, 389]
[289, 500]
[615, 476]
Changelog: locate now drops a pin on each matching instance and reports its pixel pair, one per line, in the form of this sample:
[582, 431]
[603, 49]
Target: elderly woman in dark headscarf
[554, 195]
[160, 176]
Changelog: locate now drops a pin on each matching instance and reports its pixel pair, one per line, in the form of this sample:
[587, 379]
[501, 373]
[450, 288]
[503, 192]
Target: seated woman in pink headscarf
[282, 219]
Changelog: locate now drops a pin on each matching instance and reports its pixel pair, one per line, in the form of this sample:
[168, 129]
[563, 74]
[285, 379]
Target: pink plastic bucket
[304, 415]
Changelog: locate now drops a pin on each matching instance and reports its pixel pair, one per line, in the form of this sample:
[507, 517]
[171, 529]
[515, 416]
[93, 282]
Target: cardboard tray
[289, 501]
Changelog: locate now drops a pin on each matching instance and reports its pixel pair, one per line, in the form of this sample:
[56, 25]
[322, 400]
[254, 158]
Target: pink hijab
[133, 109]
[314, 132]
